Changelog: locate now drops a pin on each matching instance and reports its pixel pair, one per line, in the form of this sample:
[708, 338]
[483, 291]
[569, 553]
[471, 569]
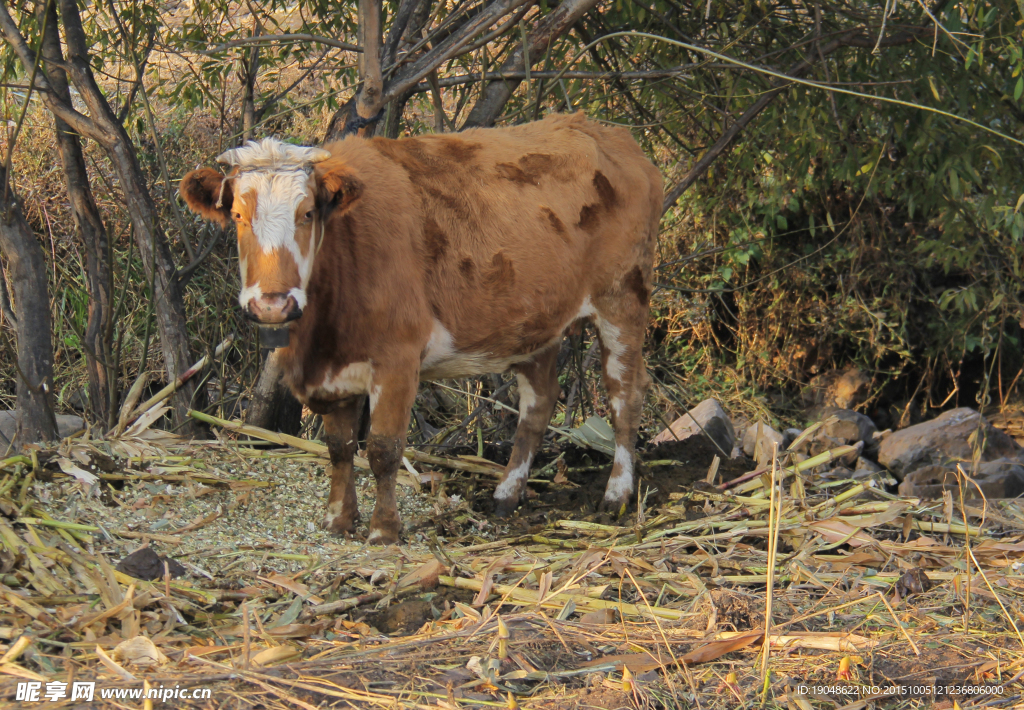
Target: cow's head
[279, 197]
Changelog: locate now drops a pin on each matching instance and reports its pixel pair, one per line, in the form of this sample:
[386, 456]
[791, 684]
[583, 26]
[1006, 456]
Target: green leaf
[1019, 89]
[1020, 201]
[831, 224]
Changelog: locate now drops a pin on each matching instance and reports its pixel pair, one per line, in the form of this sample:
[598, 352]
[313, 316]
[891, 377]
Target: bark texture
[30, 294]
[92, 236]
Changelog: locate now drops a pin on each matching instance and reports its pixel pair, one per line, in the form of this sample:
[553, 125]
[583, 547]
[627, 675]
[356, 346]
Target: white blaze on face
[277, 175]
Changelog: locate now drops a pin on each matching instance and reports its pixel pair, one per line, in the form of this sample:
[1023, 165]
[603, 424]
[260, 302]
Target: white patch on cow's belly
[353, 379]
[441, 359]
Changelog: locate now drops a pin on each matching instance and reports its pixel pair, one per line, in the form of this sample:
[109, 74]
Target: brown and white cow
[397, 261]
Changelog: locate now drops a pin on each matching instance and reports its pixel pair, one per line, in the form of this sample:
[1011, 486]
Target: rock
[146, 564]
[849, 426]
[843, 389]
[864, 464]
[759, 441]
[790, 435]
[711, 417]
[996, 479]
[67, 424]
[946, 439]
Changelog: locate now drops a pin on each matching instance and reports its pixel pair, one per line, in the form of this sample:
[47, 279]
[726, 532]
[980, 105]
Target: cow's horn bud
[229, 157]
[318, 154]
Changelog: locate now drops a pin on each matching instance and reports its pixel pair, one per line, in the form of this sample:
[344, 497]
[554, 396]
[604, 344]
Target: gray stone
[708, 416]
[865, 464]
[947, 439]
[849, 426]
[790, 435]
[996, 479]
[67, 424]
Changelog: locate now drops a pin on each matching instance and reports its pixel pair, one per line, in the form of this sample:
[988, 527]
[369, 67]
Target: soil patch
[576, 494]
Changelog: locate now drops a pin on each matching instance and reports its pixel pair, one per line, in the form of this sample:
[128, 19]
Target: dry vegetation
[556, 608]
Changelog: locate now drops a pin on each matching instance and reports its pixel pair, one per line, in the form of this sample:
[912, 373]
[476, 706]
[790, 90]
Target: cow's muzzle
[273, 308]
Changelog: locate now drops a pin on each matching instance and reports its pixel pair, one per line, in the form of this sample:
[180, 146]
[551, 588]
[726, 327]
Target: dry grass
[666, 609]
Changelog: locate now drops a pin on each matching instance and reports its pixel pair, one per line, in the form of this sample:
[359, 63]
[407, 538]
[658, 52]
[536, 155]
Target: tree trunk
[248, 75]
[91, 234]
[169, 305]
[497, 93]
[36, 421]
[273, 406]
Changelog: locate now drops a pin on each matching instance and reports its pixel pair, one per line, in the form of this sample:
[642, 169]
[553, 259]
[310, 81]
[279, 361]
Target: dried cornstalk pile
[805, 593]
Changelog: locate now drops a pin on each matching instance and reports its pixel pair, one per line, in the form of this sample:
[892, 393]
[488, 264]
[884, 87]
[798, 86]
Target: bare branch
[451, 47]
[269, 39]
[854, 38]
[497, 93]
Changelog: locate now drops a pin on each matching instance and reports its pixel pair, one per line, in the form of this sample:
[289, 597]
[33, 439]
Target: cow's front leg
[341, 426]
[391, 400]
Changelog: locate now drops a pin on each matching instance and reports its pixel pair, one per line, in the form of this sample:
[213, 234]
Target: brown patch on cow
[459, 150]
[435, 239]
[467, 267]
[536, 164]
[501, 274]
[607, 198]
[589, 217]
[605, 191]
[556, 224]
[533, 166]
[634, 281]
[458, 205]
[513, 173]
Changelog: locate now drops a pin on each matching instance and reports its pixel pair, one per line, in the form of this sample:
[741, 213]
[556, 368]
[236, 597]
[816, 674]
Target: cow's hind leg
[625, 380]
[538, 393]
[340, 427]
[391, 399]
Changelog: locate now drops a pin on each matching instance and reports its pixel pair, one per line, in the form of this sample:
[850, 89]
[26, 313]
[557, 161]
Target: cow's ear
[208, 193]
[337, 189]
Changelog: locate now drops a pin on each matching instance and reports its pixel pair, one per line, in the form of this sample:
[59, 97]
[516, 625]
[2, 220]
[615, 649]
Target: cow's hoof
[339, 524]
[505, 507]
[384, 527]
[614, 506]
[382, 537]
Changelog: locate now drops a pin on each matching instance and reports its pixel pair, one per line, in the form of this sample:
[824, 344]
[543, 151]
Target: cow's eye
[309, 216]
[237, 216]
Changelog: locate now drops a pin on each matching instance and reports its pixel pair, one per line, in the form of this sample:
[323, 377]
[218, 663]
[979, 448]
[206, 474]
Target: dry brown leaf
[717, 649]
[601, 616]
[277, 654]
[297, 588]
[294, 631]
[113, 666]
[488, 578]
[425, 576]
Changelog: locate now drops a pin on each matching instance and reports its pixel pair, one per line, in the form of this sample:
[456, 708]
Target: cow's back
[512, 230]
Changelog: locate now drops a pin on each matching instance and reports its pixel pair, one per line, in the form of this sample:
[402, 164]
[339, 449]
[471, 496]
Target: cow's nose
[273, 308]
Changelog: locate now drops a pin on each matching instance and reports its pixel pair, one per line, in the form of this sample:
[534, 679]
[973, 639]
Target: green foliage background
[836, 229]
